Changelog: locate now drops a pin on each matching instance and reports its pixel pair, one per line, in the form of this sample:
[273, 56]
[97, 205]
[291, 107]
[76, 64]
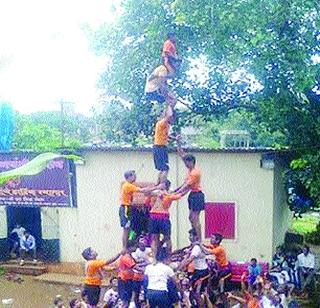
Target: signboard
[220, 217]
[53, 187]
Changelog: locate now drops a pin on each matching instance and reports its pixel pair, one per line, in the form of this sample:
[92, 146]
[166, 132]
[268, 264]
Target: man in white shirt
[306, 267]
[158, 275]
[15, 236]
[27, 246]
[198, 257]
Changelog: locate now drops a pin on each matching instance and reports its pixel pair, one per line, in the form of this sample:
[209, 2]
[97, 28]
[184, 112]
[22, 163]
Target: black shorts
[125, 216]
[125, 290]
[196, 201]
[155, 96]
[160, 226]
[136, 286]
[160, 157]
[197, 275]
[93, 293]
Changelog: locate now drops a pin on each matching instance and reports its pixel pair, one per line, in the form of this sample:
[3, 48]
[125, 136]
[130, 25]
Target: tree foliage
[257, 67]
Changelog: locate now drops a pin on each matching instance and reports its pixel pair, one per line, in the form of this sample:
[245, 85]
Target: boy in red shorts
[160, 217]
[94, 275]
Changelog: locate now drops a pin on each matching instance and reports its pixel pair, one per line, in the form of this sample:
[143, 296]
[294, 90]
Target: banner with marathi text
[53, 187]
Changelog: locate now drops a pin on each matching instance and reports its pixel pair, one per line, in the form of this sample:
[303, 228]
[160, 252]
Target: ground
[34, 294]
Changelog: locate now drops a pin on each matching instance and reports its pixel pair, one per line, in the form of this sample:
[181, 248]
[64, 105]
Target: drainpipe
[178, 202]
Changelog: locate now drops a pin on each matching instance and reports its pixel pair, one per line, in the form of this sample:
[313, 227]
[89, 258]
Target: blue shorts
[125, 216]
[155, 96]
[160, 157]
[125, 290]
[160, 226]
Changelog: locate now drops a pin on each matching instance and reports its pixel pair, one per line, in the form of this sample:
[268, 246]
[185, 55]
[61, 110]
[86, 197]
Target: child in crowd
[77, 303]
[94, 274]
[58, 302]
[254, 272]
[111, 297]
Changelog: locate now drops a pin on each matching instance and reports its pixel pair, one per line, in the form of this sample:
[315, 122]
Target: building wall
[282, 217]
[226, 177]
[239, 178]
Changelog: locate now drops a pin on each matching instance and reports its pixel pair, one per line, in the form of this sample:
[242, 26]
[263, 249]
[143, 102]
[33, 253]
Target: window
[220, 217]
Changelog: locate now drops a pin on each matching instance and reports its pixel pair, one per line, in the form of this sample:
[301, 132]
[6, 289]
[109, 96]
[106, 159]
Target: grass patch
[305, 224]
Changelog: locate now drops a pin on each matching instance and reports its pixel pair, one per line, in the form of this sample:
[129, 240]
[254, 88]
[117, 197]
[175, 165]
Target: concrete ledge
[65, 279]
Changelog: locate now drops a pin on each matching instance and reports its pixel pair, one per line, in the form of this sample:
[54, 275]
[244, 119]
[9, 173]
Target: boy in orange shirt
[160, 146]
[215, 248]
[192, 183]
[160, 217]
[127, 191]
[94, 275]
[127, 270]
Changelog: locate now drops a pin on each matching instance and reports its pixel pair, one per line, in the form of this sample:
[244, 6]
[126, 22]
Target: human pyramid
[138, 264]
[149, 273]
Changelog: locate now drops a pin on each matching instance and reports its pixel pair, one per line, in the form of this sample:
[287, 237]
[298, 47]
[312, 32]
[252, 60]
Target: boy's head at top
[193, 236]
[253, 262]
[130, 176]
[216, 239]
[26, 233]
[189, 160]
[89, 254]
[172, 37]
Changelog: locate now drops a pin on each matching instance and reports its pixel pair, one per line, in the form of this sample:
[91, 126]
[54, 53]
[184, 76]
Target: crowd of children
[148, 272]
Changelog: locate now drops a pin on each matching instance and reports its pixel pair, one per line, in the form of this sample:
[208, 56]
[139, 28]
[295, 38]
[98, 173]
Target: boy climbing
[160, 149]
[192, 184]
[156, 86]
[127, 191]
[160, 216]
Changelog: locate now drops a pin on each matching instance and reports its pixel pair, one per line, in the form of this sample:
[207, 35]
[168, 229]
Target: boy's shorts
[196, 201]
[155, 96]
[160, 157]
[125, 290]
[160, 226]
[93, 293]
[125, 216]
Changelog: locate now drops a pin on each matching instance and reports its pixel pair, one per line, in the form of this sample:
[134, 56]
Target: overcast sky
[44, 54]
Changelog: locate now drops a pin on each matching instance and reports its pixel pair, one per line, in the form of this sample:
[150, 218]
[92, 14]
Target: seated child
[254, 271]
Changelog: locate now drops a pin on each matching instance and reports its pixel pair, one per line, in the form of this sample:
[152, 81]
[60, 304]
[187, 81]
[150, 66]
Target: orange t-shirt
[193, 180]
[127, 191]
[161, 134]
[93, 272]
[220, 254]
[169, 49]
[126, 264]
[161, 204]
[251, 301]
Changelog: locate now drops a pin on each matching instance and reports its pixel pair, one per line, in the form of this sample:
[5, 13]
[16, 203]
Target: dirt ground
[34, 294]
